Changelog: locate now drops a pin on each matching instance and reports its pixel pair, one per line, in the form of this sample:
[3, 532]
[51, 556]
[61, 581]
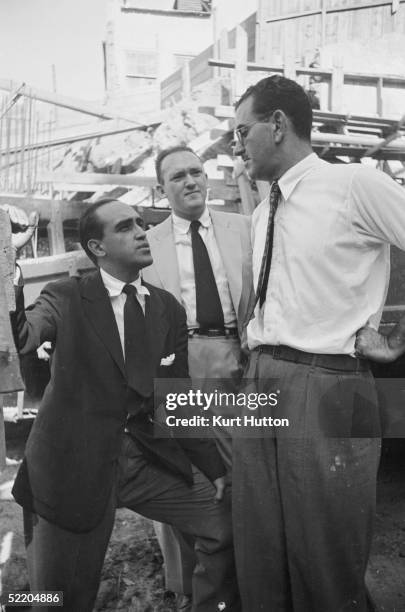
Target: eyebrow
[184, 170]
[123, 222]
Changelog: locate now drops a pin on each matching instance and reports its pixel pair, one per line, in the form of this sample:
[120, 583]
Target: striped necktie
[260, 295]
[268, 247]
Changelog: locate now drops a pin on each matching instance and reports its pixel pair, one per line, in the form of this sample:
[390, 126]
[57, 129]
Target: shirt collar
[292, 177]
[182, 226]
[115, 286]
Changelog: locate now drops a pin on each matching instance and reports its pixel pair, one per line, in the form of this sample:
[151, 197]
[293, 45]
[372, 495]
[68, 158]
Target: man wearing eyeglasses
[304, 497]
[203, 257]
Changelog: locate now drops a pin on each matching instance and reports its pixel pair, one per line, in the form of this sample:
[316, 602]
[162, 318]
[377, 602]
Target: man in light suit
[203, 257]
[92, 444]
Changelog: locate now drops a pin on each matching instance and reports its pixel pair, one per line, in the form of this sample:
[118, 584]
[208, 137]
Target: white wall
[168, 35]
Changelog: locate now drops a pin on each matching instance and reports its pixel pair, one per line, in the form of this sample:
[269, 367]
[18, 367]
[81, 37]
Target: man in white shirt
[304, 500]
[203, 257]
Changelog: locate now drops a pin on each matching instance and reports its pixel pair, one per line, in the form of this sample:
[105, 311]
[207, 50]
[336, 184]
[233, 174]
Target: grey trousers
[304, 501]
[208, 358]
[60, 560]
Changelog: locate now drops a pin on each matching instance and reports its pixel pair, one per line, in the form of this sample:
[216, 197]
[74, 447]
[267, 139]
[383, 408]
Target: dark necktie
[268, 247]
[208, 303]
[138, 365]
[260, 295]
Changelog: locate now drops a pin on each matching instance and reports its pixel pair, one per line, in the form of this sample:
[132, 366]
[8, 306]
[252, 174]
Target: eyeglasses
[242, 132]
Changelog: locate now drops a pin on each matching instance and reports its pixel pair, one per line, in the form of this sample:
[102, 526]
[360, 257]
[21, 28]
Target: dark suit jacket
[70, 462]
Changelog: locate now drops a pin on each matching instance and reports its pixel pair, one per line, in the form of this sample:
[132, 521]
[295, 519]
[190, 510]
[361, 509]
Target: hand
[43, 351]
[219, 484]
[370, 344]
[22, 227]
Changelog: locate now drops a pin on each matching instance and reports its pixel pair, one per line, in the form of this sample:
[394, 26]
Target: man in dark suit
[92, 445]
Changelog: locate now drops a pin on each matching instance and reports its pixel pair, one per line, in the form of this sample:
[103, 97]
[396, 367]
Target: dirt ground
[132, 579]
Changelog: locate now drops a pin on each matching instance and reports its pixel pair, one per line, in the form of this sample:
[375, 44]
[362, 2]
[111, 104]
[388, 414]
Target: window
[142, 63]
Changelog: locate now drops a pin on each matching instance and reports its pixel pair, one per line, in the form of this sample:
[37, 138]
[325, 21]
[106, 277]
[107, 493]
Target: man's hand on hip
[370, 344]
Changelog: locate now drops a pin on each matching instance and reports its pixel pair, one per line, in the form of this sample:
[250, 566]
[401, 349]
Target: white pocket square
[167, 361]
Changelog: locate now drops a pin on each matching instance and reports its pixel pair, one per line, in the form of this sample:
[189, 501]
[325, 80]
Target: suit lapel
[100, 315]
[165, 258]
[229, 245]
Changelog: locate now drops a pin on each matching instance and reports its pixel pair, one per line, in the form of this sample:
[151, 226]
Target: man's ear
[280, 125]
[96, 247]
[161, 190]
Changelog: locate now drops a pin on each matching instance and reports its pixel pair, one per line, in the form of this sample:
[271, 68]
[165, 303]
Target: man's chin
[145, 261]
[250, 168]
[196, 208]
[255, 174]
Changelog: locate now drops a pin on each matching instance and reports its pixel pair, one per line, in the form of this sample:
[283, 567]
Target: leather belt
[213, 333]
[322, 360]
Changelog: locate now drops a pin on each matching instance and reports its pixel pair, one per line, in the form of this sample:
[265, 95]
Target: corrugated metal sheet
[188, 5]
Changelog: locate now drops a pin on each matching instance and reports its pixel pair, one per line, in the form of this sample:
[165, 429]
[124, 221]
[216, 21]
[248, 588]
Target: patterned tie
[208, 303]
[268, 247]
[260, 295]
[138, 365]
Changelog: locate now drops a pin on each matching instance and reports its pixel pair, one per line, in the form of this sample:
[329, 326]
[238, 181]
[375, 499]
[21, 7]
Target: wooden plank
[102, 179]
[320, 117]
[2, 437]
[246, 195]
[20, 404]
[394, 79]
[73, 104]
[336, 90]
[335, 9]
[70, 209]
[289, 51]
[383, 143]
[38, 272]
[241, 61]
[54, 265]
[107, 129]
[55, 230]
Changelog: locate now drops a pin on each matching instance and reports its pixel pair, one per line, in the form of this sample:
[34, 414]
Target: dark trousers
[60, 560]
[303, 500]
[208, 358]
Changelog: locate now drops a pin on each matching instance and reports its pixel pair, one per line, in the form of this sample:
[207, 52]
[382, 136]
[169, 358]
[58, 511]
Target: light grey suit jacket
[232, 233]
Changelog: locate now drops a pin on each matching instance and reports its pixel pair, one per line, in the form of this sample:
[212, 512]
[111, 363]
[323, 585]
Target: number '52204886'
[39, 598]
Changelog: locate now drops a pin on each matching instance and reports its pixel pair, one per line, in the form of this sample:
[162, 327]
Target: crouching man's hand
[22, 227]
[219, 484]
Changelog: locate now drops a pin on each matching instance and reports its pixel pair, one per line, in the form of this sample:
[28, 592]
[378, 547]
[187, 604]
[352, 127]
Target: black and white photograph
[202, 305]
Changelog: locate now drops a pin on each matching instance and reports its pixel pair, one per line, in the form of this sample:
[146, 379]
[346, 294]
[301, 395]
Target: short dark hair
[90, 226]
[165, 152]
[277, 92]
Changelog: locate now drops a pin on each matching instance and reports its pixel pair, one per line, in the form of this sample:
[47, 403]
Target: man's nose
[190, 179]
[140, 232]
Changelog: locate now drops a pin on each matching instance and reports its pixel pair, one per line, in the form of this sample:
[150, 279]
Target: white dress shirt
[114, 287]
[182, 238]
[330, 264]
